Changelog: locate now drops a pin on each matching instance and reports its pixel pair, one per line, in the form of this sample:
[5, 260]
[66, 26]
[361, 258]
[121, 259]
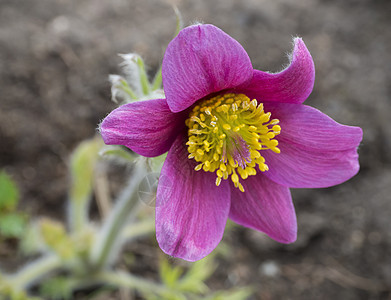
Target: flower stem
[138, 229]
[124, 279]
[78, 214]
[34, 271]
[108, 241]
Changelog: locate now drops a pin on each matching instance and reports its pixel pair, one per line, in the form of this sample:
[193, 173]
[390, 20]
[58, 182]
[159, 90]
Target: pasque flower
[237, 140]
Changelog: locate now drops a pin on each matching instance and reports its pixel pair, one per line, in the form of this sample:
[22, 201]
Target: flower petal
[147, 127]
[292, 85]
[316, 151]
[202, 60]
[307, 127]
[265, 206]
[307, 168]
[191, 211]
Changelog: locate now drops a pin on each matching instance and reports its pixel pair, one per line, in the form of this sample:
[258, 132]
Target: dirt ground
[55, 57]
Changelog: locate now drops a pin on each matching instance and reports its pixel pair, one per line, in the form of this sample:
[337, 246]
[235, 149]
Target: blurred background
[55, 58]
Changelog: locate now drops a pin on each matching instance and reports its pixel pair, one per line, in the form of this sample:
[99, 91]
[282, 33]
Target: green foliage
[123, 84]
[232, 294]
[56, 238]
[193, 280]
[83, 162]
[57, 288]
[156, 163]
[9, 194]
[190, 284]
[157, 80]
[12, 223]
[143, 74]
[179, 20]
[169, 274]
[31, 241]
[118, 153]
[7, 292]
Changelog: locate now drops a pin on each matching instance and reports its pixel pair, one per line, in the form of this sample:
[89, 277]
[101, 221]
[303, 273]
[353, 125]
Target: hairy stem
[123, 279]
[138, 229]
[109, 238]
[35, 271]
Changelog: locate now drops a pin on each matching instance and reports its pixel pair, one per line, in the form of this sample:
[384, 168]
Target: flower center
[226, 135]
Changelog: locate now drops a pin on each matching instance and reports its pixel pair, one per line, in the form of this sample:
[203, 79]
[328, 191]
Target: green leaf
[232, 294]
[57, 288]
[56, 238]
[118, 152]
[12, 225]
[169, 274]
[31, 241]
[9, 193]
[143, 75]
[83, 162]
[157, 80]
[193, 280]
[156, 163]
[179, 20]
[127, 89]
[120, 90]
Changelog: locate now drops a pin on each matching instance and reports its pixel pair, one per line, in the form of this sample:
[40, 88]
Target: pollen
[227, 135]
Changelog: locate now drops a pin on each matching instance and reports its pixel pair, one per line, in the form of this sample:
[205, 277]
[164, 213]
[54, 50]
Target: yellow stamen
[227, 134]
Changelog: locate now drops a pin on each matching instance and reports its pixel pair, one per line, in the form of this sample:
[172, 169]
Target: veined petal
[307, 168]
[265, 206]
[202, 60]
[292, 85]
[316, 151]
[191, 211]
[147, 127]
[307, 127]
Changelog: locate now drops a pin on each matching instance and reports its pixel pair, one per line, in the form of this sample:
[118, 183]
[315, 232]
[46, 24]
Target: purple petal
[265, 206]
[292, 85]
[315, 150]
[147, 127]
[306, 127]
[305, 168]
[202, 60]
[191, 211]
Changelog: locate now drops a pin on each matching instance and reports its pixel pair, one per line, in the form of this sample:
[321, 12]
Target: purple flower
[237, 140]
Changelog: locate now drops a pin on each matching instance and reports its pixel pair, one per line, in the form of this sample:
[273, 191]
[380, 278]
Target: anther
[226, 126]
[227, 135]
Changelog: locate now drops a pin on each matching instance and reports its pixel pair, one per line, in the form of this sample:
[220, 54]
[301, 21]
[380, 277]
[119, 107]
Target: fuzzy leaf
[82, 167]
[120, 89]
[143, 75]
